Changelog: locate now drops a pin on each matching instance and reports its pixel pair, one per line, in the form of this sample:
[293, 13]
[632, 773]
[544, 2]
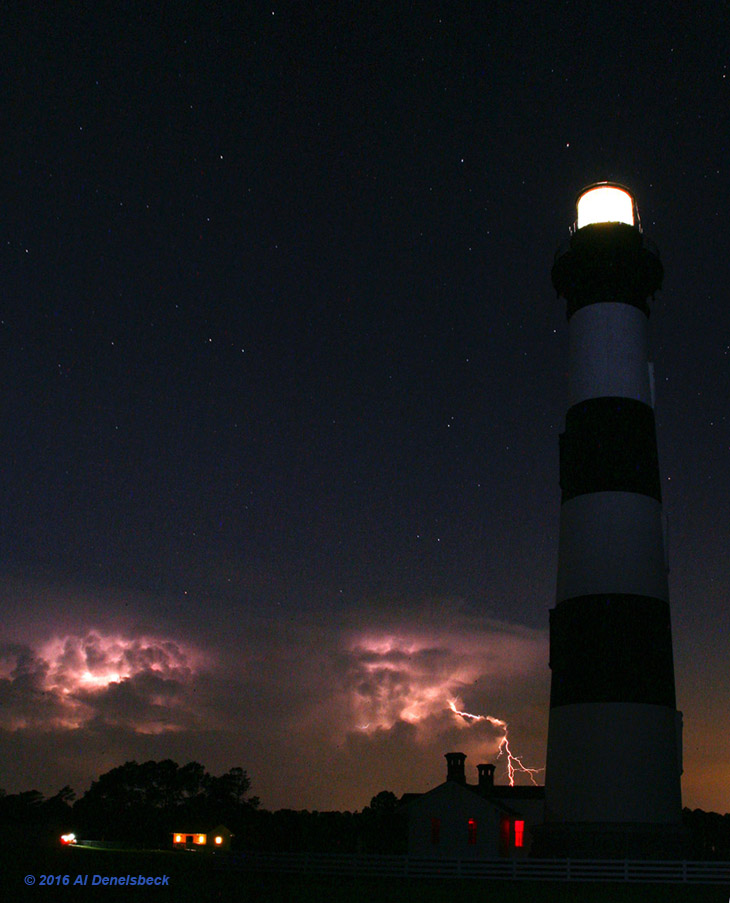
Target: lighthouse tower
[612, 782]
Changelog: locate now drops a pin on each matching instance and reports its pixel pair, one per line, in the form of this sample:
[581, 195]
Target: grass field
[198, 877]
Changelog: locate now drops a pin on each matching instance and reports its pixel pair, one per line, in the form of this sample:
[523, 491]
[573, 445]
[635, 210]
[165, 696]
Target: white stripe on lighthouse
[611, 542]
[608, 353]
[614, 762]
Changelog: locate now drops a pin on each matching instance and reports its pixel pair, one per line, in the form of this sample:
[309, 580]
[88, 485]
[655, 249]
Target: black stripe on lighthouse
[607, 262]
[609, 445]
[613, 647]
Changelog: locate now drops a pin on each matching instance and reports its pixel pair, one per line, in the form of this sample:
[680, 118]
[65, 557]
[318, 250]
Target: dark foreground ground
[198, 877]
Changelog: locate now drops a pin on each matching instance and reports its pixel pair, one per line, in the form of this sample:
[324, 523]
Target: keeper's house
[203, 838]
[457, 820]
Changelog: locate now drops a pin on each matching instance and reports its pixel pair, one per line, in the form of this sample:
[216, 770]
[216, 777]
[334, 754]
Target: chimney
[486, 779]
[455, 767]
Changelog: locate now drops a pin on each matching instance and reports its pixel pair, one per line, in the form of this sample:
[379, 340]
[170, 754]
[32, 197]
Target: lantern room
[606, 202]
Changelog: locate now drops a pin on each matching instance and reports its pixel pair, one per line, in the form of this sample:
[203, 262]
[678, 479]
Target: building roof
[518, 792]
[205, 828]
[498, 795]
[498, 800]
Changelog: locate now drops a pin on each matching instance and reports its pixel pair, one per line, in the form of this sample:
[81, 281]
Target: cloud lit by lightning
[404, 675]
[81, 692]
[66, 682]
[514, 763]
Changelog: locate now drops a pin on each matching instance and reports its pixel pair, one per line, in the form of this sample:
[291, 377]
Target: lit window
[435, 830]
[519, 833]
[219, 839]
[472, 826]
[178, 838]
[201, 838]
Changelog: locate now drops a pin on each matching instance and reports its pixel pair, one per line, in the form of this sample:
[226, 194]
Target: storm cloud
[322, 709]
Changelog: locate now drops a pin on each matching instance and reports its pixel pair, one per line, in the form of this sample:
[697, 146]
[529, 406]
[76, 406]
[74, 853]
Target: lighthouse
[614, 751]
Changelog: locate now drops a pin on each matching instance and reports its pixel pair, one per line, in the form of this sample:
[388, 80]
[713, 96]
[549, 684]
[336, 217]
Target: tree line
[142, 804]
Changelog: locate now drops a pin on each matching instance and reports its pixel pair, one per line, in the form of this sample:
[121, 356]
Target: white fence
[632, 870]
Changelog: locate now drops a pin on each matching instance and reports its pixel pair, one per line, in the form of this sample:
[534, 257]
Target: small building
[203, 838]
[456, 820]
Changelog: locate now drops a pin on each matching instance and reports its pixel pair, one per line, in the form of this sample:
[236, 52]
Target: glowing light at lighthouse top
[605, 203]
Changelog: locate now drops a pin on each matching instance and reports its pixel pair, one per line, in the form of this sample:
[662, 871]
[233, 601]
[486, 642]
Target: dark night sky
[283, 375]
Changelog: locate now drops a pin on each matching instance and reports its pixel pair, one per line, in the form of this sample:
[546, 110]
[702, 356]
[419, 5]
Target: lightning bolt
[514, 763]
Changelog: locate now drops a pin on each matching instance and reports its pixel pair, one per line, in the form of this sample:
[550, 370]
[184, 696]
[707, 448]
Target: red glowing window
[519, 833]
[435, 830]
[504, 830]
[472, 827]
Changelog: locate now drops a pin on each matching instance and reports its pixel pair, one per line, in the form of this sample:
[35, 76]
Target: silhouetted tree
[31, 818]
[144, 802]
[382, 827]
[384, 802]
[708, 834]
[192, 781]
